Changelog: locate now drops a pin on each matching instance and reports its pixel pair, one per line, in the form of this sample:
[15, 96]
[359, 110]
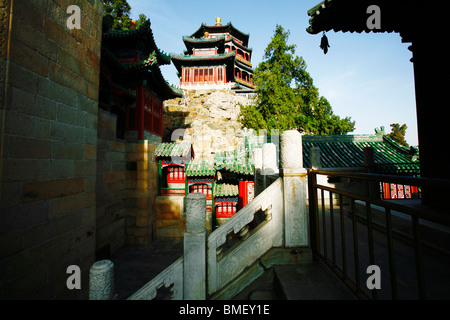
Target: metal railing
[365, 230]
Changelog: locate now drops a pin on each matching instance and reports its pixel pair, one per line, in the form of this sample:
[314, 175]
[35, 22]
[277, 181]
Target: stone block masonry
[210, 120]
[49, 78]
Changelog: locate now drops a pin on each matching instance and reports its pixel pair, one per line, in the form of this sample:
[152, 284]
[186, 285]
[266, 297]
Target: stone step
[309, 282]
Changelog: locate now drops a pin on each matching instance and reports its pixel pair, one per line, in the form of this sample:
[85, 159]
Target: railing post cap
[101, 266]
[196, 196]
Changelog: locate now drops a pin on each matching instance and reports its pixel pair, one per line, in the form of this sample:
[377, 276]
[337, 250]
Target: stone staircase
[283, 274]
[280, 274]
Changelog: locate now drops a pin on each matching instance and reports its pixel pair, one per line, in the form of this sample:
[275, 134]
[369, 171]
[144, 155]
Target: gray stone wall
[49, 78]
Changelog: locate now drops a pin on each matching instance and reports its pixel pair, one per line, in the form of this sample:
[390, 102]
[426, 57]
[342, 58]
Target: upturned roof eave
[228, 27]
[181, 60]
[143, 31]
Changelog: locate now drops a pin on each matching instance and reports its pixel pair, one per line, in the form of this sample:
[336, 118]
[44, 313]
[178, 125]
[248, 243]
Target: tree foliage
[117, 14]
[398, 134]
[286, 96]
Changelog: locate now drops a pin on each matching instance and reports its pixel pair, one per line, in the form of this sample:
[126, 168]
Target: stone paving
[135, 266]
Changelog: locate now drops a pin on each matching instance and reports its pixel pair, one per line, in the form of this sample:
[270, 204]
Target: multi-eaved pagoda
[216, 57]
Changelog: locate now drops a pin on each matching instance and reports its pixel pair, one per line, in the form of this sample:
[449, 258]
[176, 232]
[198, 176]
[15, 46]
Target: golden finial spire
[218, 21]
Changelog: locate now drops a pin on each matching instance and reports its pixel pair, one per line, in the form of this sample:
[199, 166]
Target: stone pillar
[258, 158]
[195, 248]
[101, 280]
[258, 171]
[373, 187]
[269, 159]
[294, 188]
[314, 155]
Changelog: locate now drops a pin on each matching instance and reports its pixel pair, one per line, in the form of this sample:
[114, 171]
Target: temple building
[131, 84]
[216, 57]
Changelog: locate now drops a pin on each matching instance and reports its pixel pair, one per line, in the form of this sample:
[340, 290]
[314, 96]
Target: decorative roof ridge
[143, 64]
[411, 151]
[205, 57]
[194, 39]
[343, 138]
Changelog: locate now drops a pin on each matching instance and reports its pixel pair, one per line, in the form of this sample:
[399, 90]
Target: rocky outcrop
[207, 118]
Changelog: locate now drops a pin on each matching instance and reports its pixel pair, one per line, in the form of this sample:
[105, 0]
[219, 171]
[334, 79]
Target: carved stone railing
[171, 277]
[225, 266]
[277, 217]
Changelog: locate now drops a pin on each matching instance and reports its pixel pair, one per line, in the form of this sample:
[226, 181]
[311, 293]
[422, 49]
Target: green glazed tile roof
[144, 32]
[173, 149]
[200, 168]
[226, 190]
[347, 151]
[143, 64]
[221, 56]
[201, 41]
[239, 166]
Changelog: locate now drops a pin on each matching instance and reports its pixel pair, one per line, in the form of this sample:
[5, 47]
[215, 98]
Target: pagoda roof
[130, 67]
[351, 16]
[194, 43]
[120, 38]
[226, 190]
[174, 149]
[346, 151]
[200, 168]
[148, 69]
[190, 60]
[228, 28]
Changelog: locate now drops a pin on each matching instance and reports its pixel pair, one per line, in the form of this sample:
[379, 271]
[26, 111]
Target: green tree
[116, 14]
[286, 96]
[142, 19]
[398, 134]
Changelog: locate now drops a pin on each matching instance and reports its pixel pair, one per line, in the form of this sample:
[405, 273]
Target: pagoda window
[196, 71]
[210, 74]
[152, 113]
[220, 74]
[187, 77]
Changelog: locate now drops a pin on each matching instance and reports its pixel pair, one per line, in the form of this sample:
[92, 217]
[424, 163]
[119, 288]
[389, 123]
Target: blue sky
[366, 76]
